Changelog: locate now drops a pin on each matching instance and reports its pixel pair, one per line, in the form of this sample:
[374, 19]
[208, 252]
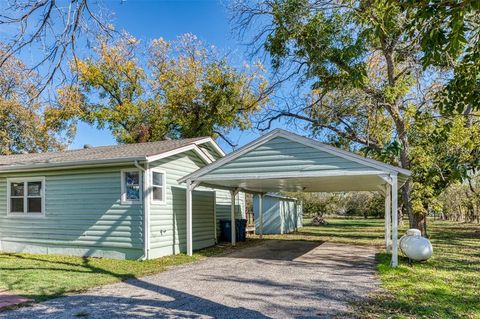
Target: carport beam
[394, 220]
[388, 215]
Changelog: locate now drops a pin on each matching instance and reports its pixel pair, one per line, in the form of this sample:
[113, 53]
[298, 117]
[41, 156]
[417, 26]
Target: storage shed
[281, 214]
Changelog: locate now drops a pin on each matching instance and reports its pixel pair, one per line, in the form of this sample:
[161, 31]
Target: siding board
[83, 215]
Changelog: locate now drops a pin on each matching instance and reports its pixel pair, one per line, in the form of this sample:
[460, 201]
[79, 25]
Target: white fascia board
[213, 143]
[333, 173]
[191, 147]
[69, 165]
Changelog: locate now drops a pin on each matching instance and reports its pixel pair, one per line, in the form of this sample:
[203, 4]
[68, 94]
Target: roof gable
[281, 153]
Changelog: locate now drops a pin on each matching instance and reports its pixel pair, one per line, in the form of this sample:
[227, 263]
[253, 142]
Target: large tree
[56, 31]
[361, 83]
[22, 125]
[184, 89]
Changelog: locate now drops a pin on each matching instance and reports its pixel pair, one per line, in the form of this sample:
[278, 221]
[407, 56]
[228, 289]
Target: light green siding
[168, 221]
[279, 156]
[280, 215]
[83, 216]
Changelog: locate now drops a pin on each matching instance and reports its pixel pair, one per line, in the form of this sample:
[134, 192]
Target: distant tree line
[461, 202]
[364, 204]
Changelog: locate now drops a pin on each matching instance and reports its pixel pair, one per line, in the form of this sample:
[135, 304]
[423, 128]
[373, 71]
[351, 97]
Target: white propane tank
[414, 246]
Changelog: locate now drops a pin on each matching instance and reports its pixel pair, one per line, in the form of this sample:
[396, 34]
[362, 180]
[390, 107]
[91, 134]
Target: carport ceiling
[283, 161]
[303, 184]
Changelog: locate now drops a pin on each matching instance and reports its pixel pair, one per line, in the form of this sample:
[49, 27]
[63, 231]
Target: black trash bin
[225, 230]
[240, 230]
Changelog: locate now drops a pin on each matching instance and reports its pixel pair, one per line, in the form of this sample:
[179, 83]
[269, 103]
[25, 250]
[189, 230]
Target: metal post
[260, 214]
[232, 217]
[394, 221]
[189, 218]
[388, 215]
[215, 216]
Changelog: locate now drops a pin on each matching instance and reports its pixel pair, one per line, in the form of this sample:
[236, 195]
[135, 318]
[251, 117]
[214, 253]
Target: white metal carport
[281, 161]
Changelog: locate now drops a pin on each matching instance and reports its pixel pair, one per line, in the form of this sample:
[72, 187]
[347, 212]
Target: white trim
[164, 186]
[68, 165]
[123, 199]
[114, 161]
[300, 139]
[207, 154]
[191, 147]
[190, 187]
[25, 196]
[330, 173]
[214, 144]
[388, 217]
[394, 190]
[146, 210]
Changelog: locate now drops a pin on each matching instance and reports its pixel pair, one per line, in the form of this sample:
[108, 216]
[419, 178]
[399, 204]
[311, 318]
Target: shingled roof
[113, 153]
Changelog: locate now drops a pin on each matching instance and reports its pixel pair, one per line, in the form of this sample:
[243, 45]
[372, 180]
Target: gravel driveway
[276, 279]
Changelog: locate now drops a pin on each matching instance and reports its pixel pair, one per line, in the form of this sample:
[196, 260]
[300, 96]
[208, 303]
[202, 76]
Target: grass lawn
[41, 277]
[446, 286]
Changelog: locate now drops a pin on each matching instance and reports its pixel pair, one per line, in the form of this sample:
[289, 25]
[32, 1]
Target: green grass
[40, 277]
[446, 286]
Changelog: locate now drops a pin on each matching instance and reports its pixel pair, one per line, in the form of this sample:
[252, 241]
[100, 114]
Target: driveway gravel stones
[275, 279]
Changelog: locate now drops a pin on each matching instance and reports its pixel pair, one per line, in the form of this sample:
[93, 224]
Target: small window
[131, 187]
[26, 196]
[158, 186]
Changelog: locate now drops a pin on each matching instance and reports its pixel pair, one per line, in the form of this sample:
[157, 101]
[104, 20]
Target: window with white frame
[26, 196]
[131, 187]
[158, 186]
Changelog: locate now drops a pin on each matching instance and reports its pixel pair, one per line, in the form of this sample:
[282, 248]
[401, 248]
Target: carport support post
[394, 220]
[232, 216]
[388, 215]
[260, 214]
[190, 187]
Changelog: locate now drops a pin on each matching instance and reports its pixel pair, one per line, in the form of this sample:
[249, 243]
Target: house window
[158, 187]
[26, 196]
[131, 187]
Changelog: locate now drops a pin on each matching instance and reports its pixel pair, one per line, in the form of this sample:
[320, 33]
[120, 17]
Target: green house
[121, 201]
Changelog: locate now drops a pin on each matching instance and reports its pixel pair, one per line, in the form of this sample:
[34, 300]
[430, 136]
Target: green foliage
[376, 74]
[449, 36]
[22, 126]
[461, 202]
[445, 151]
[364, 204]
[185, 90]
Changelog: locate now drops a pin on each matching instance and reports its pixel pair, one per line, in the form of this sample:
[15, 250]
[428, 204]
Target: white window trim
[123, 195]
[25, 196]
[164, 186]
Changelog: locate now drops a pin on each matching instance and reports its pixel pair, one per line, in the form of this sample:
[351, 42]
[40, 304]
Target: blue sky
[147, 20]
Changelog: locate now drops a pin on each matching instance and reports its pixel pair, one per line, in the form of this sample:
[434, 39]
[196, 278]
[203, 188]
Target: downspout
[146, 209]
